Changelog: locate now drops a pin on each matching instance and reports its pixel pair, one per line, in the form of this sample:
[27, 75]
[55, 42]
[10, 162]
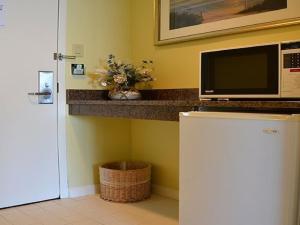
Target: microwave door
[240, 72]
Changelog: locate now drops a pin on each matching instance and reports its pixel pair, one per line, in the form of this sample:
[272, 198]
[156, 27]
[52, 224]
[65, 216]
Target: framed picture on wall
[182, 20]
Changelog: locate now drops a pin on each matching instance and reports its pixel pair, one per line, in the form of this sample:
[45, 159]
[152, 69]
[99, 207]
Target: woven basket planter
[125, 181]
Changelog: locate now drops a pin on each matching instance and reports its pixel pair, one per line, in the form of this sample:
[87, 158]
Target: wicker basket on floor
[125, 181]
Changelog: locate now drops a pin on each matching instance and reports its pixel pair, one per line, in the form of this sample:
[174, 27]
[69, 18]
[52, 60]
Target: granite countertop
[165, 104]
[137, 102]
[241, 104]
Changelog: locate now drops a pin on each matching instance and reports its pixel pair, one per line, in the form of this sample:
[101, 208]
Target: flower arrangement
[118, 76]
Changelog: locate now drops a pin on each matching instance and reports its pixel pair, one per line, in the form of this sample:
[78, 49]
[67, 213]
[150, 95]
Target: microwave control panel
[291, 61]
[290, 70]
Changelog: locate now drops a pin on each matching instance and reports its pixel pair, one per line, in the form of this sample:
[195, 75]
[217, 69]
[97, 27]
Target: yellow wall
[125, 28]
[94, 141]
[102, 27]
[157, 142]
[176, 66]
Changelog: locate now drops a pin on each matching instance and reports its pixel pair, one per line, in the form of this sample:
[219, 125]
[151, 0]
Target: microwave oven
[261, 71]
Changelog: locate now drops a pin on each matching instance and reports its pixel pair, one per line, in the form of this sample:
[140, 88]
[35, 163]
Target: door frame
[61, 101]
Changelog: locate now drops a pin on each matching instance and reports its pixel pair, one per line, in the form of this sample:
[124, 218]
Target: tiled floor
[92, 210]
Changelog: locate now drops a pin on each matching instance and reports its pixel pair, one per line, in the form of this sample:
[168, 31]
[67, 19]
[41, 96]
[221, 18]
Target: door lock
[45, 91]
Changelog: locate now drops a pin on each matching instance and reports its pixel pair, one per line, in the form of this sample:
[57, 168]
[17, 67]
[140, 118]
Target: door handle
[60, 57]
[39, 93]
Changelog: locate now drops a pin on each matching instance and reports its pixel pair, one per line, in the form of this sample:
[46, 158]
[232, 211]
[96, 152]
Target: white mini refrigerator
[239, 169]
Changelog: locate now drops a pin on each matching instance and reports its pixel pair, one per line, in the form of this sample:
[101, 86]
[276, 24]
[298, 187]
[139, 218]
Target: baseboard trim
[166, 192]
[75, 192]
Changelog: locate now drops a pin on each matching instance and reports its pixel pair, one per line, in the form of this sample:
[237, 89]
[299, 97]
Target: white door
[28, 130]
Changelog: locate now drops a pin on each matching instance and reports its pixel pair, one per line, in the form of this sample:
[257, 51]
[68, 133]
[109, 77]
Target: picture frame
[238, 23]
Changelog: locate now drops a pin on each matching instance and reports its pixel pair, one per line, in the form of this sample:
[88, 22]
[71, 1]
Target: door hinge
[60, 57]
[57, 88]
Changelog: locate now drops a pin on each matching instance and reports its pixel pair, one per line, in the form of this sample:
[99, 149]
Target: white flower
[120, 79]
[145, 71]
[103, 83]
[101, 71]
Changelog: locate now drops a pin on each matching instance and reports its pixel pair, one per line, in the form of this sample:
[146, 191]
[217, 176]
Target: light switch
[78, 50]
[78, 69]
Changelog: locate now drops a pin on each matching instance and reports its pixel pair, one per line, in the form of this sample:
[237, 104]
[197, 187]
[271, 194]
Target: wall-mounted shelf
[164, 104]
[156, 104]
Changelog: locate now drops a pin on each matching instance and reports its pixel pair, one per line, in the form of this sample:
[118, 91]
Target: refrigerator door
[238, 169]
